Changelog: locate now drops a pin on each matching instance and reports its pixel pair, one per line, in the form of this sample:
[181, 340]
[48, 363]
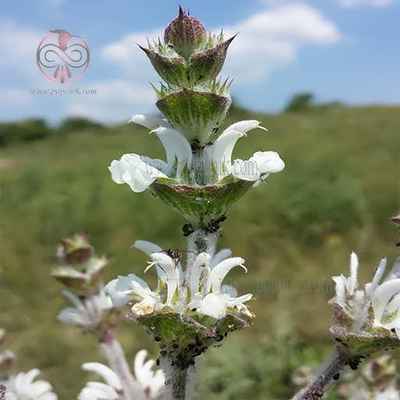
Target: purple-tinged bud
[75, 250]
[84, 279]
[185, 33]
[206, 65]
[172, 70]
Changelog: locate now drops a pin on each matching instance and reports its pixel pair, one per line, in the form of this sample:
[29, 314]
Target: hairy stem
[201, 241]
[115, 356]
[178, 380]
[180, 376]
[328, 373]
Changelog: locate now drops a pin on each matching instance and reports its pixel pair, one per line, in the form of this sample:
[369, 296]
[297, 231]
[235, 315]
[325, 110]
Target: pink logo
[61, 56]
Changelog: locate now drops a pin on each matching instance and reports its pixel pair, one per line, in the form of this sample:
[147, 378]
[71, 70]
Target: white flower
[140, 172]
[151, 381]
[172, 273]
[199, 288]
[24, 387]
[382, 297]
[390, 393]
[87, 313]
[386, 305]
[256, 168]
[346, 295]
[111, 390]
[353, 300]
[136, 171]
[131, 288]
[209, 297]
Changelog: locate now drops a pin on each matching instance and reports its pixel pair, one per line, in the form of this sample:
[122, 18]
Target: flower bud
[80, 269]
[75, 250]
[85, 280]
[185, 34]
[7, 360]
[207, 64]
[172, 70]
[203, 66]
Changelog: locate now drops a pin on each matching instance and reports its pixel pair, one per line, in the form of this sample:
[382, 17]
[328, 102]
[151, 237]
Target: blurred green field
[338, 192]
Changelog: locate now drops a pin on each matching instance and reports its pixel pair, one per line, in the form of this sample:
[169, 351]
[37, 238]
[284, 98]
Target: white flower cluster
[139, 172]
[23, 386]
[150, 382]
[198, 289]
[87, 313]
[382, 296]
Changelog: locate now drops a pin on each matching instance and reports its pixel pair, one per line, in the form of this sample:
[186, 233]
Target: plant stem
[180, 376]
[115, 356]
[328, 373]
[200, 241]
[178, 380]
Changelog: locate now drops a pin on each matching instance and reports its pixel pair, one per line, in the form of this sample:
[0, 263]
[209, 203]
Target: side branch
[329, 373]
[115, 356]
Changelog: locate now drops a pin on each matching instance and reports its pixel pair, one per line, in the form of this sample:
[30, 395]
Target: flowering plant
[190, 309]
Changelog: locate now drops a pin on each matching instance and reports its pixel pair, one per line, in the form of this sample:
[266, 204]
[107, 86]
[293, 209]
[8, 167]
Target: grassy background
[339, 189]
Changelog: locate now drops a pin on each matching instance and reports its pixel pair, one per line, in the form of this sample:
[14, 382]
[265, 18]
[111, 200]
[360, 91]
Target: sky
[345, 50]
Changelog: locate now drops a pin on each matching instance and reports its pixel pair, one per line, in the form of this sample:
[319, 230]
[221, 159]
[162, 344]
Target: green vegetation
[338, 192]
[302, 102]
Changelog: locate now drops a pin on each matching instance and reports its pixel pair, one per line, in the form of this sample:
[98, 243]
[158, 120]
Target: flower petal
[147, 247]
[246, 170]
[72, 316]
[229, 290]
[109, 376]
[395, 272]
[132, 170]
[352, 282]
[245, 126]
[122, 289]
[219, 272]
[200, 266]
[220, 256]
[383, 294]
[213, 305]
[220, 152]
[167, 264]
[149, 121]
[176, 146]
[268, 162]
[150, 248]
[371, 287]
